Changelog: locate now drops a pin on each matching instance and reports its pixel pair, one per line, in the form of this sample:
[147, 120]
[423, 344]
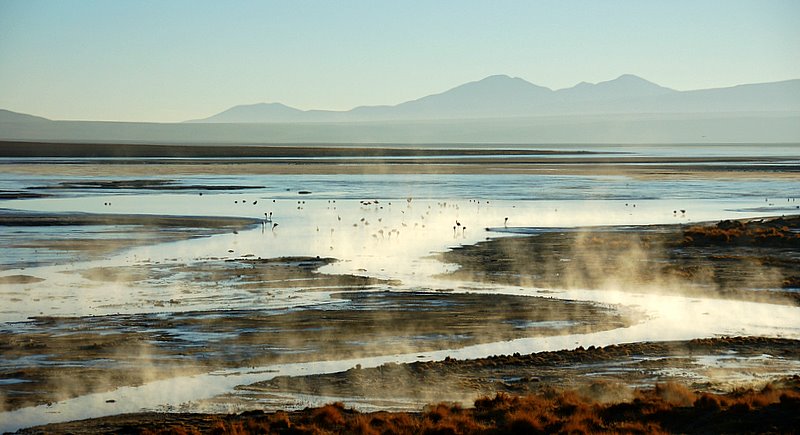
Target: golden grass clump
[329, 416]
[769, 233]
[667, 408]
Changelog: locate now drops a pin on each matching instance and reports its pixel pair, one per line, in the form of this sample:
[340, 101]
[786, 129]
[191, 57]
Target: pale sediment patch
[20, 279]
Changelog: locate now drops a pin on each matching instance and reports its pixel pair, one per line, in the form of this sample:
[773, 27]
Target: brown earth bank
[606, 374]
[749, 259]
[583, 405]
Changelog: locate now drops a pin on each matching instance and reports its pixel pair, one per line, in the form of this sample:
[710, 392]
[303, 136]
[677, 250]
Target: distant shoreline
[118, 159]
[121, 150]
[113, 149]
[65, 149]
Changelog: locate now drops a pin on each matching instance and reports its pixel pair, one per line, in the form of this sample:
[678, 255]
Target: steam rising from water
[390, 238]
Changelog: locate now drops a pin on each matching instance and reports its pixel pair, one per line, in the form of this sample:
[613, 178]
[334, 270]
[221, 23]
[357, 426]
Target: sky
[174, 60]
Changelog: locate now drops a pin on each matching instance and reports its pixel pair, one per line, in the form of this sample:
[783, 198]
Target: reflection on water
[384, 226]
[385, 238]
[669, 318]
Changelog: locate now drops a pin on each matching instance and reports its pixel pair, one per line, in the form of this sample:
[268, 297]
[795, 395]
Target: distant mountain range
[497, 109]
[502, 96]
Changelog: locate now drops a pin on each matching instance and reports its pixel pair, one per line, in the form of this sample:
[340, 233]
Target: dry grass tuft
[769, 233]
[675, 394]
[667, 408]
[329, 416]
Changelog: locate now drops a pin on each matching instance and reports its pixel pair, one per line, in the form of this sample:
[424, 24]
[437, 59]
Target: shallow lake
[383, 226]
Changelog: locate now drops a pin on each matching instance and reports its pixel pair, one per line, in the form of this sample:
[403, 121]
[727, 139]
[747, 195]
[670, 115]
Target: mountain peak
[257, 112]
[502, 78]
[497, 77]
[499, 83]
[633, 80]
[630, 77]
[495, 95]
[626, 86]
[267, 106]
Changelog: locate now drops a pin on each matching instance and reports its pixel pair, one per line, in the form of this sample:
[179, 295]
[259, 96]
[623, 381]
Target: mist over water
[392, 238]
[381, 226]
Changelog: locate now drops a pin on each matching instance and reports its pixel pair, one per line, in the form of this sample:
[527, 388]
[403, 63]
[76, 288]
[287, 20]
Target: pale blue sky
[175, 60]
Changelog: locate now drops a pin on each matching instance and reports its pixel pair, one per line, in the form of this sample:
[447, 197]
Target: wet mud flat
[246, 274]
[360, 319]
[363, 317]
[749, 259]
[158, 184]
[54, 188]
[584, 404]
[34, 239]
[607, 374]
[22, 218]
